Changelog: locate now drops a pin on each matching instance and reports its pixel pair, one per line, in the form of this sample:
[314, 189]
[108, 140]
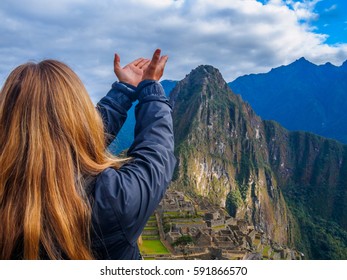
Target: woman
[62, 196]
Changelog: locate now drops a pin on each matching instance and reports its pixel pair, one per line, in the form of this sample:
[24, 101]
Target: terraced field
[151, 244]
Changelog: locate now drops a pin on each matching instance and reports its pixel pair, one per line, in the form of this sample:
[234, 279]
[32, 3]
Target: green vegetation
[151, 228]
[189, 97]
[183, 240]
[167, 227]
[148, 237]
[151, 244]
[233, 202]
[151, 247]
[266, 251]
[180, 215]
[315, 190]
[244, 191]
[218, 227]
[170, 213]
[244, 170]
[216, 192]
[318, 238]
[272, 255]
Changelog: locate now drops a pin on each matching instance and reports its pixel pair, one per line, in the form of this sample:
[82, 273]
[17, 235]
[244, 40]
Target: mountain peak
[205, 72]
[205, 75]
[328, 64]
[302, 61]
[198, 80]
[206, 69]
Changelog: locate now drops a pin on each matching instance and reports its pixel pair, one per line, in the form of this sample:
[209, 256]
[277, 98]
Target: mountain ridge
[300, 96]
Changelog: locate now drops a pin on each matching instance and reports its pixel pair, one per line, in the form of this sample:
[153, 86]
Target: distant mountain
[289, 185]
[168, 86]
[126, 135]
[300, 96]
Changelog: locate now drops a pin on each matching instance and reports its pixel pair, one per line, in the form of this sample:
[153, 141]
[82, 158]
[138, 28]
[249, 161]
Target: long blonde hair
[51, 137]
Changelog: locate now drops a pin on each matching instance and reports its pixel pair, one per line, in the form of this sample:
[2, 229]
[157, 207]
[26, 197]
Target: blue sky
[332, 20]
[237, 36]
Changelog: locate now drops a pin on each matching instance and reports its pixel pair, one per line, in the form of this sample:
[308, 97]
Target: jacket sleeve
[135, 190]
[114, 106]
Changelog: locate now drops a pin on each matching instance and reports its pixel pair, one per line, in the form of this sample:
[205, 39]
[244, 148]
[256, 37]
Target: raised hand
[133, 72]
[155, 69]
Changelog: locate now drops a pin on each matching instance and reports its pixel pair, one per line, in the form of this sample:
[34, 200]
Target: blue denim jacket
[124, 199]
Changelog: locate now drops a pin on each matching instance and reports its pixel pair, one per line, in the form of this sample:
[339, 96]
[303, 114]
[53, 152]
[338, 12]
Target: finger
[163, 61]
[156, 57]
[137, 61]
[143, 62]
[145, 66]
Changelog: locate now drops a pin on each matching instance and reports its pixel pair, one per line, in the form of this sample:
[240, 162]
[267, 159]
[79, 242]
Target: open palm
[131, 73]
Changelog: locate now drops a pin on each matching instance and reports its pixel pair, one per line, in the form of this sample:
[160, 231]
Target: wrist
[144, 83]
[131, 86]
[126, 89]
[149, 87]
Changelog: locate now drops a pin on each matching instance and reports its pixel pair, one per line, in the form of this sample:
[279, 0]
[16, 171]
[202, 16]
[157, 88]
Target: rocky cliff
[252, 167]
[222, 152]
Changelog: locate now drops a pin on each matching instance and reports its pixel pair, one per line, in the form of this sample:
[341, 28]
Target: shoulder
[105, 176]
[113, 191]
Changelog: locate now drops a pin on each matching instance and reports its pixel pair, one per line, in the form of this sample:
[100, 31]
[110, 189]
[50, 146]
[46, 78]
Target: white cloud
[332, 8]
[238, 37]
[304, 10]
